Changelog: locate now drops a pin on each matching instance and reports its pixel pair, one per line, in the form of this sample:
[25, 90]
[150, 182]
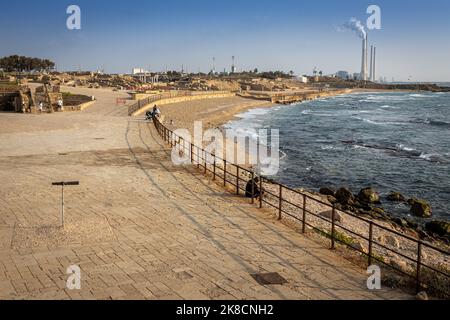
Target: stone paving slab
[141, 228]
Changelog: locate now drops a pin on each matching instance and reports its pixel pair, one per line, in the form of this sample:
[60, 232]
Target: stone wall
[184, 98]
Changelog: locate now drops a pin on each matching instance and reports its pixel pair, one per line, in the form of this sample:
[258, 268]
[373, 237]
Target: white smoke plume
[356, 26]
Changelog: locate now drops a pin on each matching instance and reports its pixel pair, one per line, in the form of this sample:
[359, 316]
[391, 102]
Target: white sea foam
[405, 148]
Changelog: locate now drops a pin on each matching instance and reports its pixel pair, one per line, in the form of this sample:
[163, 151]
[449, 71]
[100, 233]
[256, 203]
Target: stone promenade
[140, 227]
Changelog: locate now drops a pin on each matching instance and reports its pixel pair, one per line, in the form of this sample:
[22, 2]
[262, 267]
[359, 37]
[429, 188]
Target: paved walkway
[140, 227]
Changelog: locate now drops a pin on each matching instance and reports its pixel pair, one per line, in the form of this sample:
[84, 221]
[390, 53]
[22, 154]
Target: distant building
[357, 76]
[344, 75]
[303, 79]
[138, 71]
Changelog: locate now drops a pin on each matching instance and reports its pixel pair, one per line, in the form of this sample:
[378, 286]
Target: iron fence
[275, 195]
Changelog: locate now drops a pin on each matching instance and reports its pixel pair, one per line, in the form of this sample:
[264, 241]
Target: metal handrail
[200, 159]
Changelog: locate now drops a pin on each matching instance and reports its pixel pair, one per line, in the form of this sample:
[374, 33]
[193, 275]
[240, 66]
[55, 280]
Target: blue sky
[287, 35]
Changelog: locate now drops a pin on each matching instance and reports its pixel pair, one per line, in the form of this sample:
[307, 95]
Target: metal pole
[304, 214]
[204, 153]
[214, 168]
[370, 242]
[260, 193]
[62, 205]
[224, 173]
[333, 216]
[198, 157]
[419, 264]
[253, 187]
[280, 202]
[237, 180]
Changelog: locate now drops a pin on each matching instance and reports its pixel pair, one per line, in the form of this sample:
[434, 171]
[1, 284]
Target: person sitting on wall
[156, 112]
[149, 115]
[252, 188]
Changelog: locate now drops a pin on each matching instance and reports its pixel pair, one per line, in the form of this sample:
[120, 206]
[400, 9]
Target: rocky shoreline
[368, 203]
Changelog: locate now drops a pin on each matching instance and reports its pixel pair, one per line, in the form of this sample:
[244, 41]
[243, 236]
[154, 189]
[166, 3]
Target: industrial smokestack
[364, 59]
[371, 64]
[374, 76]
[367, 60]
[363, 63]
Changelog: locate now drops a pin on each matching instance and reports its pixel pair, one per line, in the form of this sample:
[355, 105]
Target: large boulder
[441, 228]
[369, 195]
[331, 199]
[327, 191]
[396, 197]
[345, 196]
[422, 296]
[420, 208]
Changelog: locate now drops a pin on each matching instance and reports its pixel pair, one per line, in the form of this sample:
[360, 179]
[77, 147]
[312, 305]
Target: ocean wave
[430, 121]
[388, 107]
[417, 95]
[434, 157]
[404, 148]
[382, 98]
[397, 150]
[330, 147]
[368, 121]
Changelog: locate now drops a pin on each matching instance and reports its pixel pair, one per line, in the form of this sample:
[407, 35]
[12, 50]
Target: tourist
[252, 188]
[156, 112]
[60, 105]
[149, 115]
[41, 107]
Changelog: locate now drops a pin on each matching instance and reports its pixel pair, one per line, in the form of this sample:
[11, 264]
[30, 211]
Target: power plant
[364, 58]
[368, 70]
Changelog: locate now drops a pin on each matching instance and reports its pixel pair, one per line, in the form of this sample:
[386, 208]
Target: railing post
[370, 243]
[280, 203]
[237, 180]
[260, 193]
[224, 173]
[333, 219]
[304, 214]
[419, 265]
[204, 154]
[198, 157]
[253, 187]
[214, 168]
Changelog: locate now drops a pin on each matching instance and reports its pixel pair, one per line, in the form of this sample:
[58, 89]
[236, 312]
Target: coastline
[215, 113]
[215, 117]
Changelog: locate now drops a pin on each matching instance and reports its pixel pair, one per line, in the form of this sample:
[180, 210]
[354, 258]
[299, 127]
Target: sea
[389, 141]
